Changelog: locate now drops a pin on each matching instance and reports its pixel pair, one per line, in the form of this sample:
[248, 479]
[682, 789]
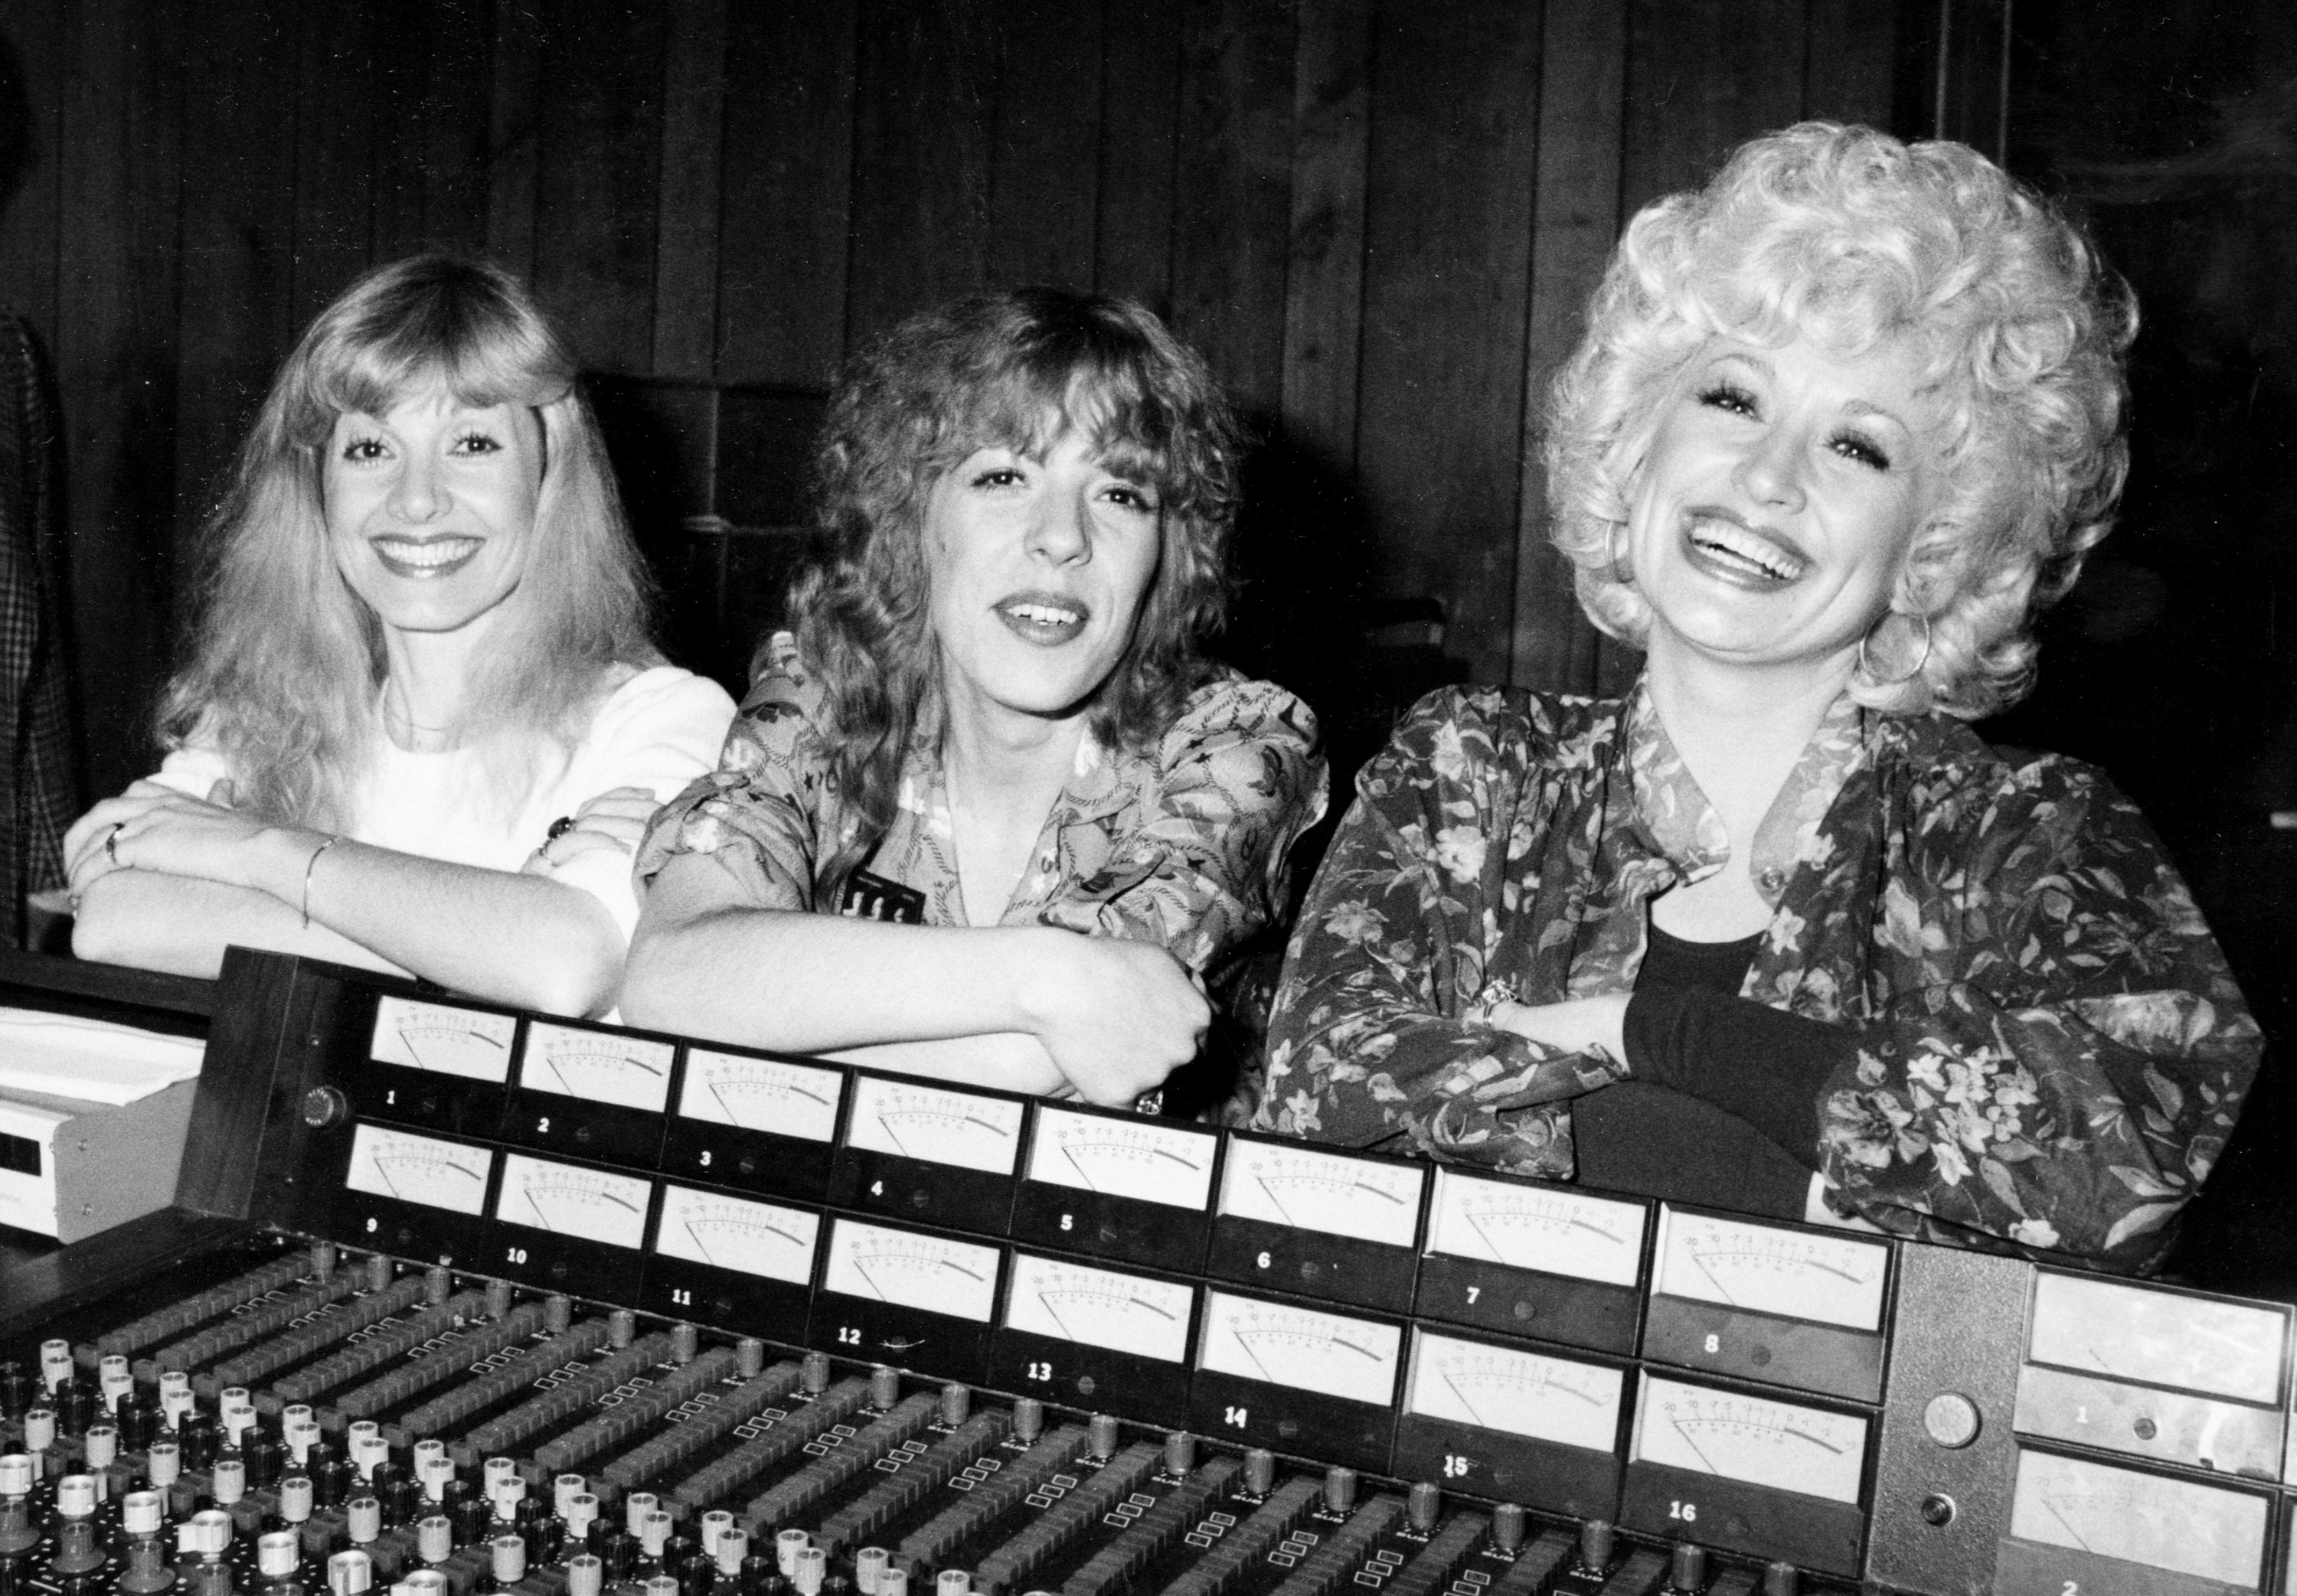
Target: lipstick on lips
[425, 558]
[1040, 616]
[1727, 547]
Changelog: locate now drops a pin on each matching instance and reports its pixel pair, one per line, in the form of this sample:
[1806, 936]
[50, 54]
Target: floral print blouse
[1184, 846]
[2043, 1046]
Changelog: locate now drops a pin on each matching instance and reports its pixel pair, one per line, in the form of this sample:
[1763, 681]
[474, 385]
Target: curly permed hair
[1011, 370]
[1848, 236]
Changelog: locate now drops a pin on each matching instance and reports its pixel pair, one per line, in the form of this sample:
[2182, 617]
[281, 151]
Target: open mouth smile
[426, 557]
[1724, 546]
[1043, 618]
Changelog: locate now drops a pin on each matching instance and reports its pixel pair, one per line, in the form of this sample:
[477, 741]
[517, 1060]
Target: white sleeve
[192, 771]
[660, 730]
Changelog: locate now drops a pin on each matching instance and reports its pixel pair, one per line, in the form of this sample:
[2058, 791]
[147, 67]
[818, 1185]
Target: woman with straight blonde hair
[422, 723]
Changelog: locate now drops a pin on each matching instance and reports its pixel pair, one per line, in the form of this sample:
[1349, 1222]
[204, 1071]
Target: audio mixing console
[486, 1301]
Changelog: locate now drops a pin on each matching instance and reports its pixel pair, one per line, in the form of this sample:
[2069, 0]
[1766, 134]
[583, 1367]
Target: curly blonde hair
[1848, 236]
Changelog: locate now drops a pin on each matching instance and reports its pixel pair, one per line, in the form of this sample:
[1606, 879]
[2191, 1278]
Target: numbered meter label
[1329, 1192]
[419, 1169]
[772, 1095]
[585, 1204]
[936, 1124]
[599, 1066]
[443, 1040]
[764, 1240]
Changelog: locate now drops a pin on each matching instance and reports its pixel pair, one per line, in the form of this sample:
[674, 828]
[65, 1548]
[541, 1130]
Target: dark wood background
[1378, 221]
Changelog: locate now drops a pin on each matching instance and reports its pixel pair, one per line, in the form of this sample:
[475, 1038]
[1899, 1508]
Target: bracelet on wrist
[310, 865]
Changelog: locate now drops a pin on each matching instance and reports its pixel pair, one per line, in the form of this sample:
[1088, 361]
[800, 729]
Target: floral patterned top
[2043, 1046]
[1185, 846]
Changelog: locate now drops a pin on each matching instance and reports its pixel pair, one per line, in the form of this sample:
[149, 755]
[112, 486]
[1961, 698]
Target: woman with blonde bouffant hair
[1777, 932]
[421, 722]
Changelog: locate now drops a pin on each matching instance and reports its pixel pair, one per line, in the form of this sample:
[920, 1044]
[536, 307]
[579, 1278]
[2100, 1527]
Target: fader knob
[1781, 1579]
[621, 1328]
[1686, 1569]
[434, 1538]
[635, 1506]
[1259, 1471]
[733, 1550]
[278, 1553]
[557, 1312]
[586, 1575]
[378, 1272]
[15, 1389]
[39, 1430]
[56, 1362]
[1179, 1452]
[1595, 1546]
[749, 1357]
[685, 1342]
[952, 1582]
[787, 1546]
[349, 1572]
[1101, 1436]
[564, 1489]
[884, 1388]
[507, 1559]
[438, 1285]
[1508, 1528]
[956, 1405]
[813, 1374]
[1423, 1507]
[76, 1405]
[758, 1574]
[1339, 1490]
[323, 1260]
[869, 1567]
[1028, 1420]
[498, 1298]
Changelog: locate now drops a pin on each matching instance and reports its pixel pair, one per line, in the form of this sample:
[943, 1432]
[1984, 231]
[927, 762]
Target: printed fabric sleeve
[2060, 1050]
[1375, 1034]
[759, 814]
[1200, 866]
[658, 731]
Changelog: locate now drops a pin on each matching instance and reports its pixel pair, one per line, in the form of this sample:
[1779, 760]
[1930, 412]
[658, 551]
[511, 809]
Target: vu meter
[421, 1196]
[443, 1040]
[1532, 1258]
[1786, 1306]
[434, 1065]
[762, 1125]
[1076, 1333]
[1333, 1225]
[1506, 1422]
[1117, 1186]
[918, 1151]
[1291, 1375]
[2094, 1526]
[567, 1227]
[1752, 1472]
[733, 1259]
[591, 1093]
[2172, 1375]
[907, 1297]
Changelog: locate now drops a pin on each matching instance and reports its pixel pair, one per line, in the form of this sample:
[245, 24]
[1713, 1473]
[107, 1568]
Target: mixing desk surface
[460, 1298]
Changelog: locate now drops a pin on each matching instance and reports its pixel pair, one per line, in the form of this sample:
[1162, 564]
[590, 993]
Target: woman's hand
[157, 828]
[1117, 1017]
[1576, 1025]
[614, 820]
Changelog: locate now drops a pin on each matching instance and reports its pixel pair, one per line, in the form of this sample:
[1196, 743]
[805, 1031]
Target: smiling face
[1038, 565]
[430, 508]
[1783, 490]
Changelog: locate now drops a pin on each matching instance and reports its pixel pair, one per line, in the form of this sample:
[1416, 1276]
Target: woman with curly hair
[422, 724]
[1777, 932]
[989, 813]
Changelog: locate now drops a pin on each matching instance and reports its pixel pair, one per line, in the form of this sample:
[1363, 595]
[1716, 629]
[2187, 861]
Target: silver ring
[112, 841]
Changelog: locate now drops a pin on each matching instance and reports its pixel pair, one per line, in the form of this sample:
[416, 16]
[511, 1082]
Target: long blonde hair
[287, 661]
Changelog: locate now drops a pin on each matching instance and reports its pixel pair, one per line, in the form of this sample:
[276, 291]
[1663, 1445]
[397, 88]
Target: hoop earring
[1866, 666]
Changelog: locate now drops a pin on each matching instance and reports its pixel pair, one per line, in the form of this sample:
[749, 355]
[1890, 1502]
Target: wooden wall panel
[1582, 85]
[597, 195]
[786, 183]
[925, 75]
[1377, 220]
[1232, 210]
[1447, 280]
[1139, 101]
[1042, 195]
